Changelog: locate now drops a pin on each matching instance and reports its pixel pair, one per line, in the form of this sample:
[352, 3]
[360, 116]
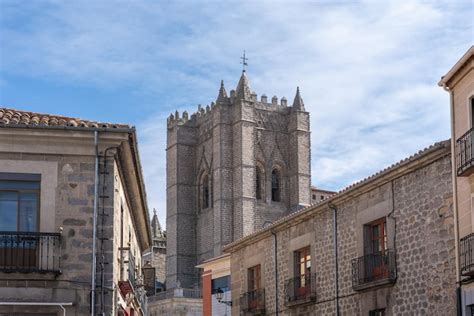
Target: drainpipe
[94, 221]
[334, 217]
[455, 202]
[276, 271]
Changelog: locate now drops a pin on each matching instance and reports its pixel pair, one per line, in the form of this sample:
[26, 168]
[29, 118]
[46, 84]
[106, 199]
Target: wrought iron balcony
[465, 154]
[30, 252]
[253, 302]
[374, 269]
[301, 289]
[466, 248]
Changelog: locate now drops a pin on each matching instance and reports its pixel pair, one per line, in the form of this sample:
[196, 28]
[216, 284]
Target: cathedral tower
[232, 167]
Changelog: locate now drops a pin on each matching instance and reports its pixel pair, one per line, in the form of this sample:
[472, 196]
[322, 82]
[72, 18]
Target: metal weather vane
[244, 62]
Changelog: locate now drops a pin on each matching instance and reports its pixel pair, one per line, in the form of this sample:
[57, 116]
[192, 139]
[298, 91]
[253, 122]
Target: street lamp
[219, 296]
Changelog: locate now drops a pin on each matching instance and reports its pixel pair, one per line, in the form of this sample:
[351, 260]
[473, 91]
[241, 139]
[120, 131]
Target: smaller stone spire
[298, 103]
[156, 231]
[243, 88]
[222, 97]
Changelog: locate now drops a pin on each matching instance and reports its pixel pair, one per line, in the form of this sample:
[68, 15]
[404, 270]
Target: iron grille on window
[30, 252]
[253, 302]
[374, 268]
[467, 255]
[465, 153]
[301, 288]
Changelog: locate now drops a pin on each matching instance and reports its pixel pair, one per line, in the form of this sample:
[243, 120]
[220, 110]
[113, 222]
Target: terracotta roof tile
[19, 118]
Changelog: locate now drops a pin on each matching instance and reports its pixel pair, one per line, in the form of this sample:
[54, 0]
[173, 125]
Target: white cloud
[367, 70]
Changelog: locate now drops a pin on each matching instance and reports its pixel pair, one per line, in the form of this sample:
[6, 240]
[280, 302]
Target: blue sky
[367, 70]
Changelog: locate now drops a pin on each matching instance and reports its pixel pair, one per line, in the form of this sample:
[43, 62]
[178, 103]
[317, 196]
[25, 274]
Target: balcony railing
[466, 248]
[253, 302]
[30, 252]
[465, 154]
[374, 269]
[301, 289]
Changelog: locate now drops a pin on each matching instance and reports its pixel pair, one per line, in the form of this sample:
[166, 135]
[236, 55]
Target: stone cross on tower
[244, 62]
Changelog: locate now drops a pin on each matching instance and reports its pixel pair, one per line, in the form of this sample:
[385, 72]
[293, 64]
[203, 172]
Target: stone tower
[156, 257]
[232, 167]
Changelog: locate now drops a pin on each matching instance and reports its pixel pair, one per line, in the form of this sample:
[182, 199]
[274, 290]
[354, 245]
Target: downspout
[336, 259]
[276, 270]
[94, 221]
[455, 202]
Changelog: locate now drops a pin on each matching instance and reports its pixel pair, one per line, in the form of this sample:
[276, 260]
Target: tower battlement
[204, 113]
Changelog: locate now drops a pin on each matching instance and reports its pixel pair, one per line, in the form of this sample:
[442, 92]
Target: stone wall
[417, 206]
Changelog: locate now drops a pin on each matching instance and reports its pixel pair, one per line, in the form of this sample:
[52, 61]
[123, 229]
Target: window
[472, 111]
[276, 183]
[377, 312]
[205, 192]
[222, 283]
[254, 276]
[322, 197]
[302, 269]
[375, 250]
[259, 183]
[19, 202]
[375, 240]
[314, 196]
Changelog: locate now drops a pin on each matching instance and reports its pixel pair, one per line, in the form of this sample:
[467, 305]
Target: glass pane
[8, 211]
[19, 185]
[28, 211]
[375, 232]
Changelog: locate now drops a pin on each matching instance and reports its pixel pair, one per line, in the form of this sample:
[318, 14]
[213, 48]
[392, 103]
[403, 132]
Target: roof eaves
[457, 66]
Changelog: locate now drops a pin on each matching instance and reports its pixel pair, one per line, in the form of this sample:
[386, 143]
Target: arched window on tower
[206, 198]
[276, 185]
[259, 183]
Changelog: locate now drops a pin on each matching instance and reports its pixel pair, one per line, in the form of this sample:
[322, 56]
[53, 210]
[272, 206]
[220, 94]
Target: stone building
[382, 246]
[232, 168]
[64, 181]
[155, 257]
[318, 194]
[459, 82]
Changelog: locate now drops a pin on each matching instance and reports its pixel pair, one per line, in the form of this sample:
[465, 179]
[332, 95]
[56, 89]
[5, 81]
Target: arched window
[276, 184]
[205, 192]
[259, 183]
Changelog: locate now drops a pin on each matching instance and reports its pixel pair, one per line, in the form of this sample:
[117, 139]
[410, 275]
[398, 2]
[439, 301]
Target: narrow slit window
[276, 186]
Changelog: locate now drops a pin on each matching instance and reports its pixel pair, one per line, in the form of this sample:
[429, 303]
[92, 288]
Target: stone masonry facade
[65, 160]
[415, 199]
[225, 166]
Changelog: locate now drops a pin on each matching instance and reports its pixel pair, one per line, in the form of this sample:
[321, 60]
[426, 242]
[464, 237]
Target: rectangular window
[222, 283]
[376, 265]
[19, 202]
[472, 111]
[375, 237]
[302, 279]
[253, 275]
[254, 278]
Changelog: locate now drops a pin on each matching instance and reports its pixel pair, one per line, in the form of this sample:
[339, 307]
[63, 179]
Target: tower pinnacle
[222, 97]
[243, 89]
[298, 103]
